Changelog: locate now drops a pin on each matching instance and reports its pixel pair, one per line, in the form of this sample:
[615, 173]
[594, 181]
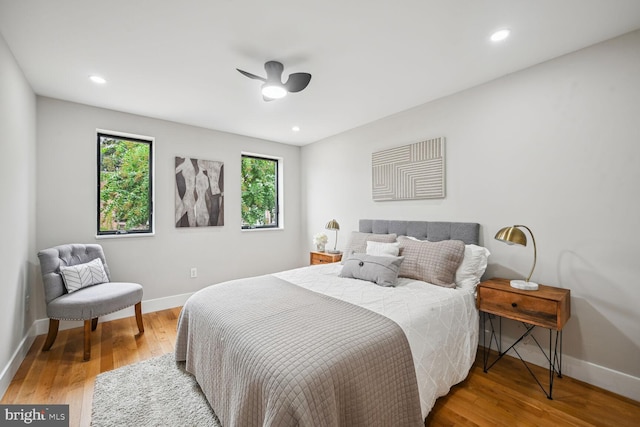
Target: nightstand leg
[485, 350]
[555, 362]
[560, 359]
[554, 356]
[552, 363]
[493, 337]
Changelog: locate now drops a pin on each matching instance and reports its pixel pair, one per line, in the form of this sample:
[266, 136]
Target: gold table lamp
[333, 225]
[514, 236]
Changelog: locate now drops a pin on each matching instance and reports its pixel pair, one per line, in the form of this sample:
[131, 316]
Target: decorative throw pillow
[381, 270]
[82, 275]
[472, 267]
[431, 262]
[383, 249]
[358, 242]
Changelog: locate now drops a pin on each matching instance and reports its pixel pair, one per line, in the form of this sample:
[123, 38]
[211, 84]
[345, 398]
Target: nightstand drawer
[319, 259]
[323, 258]
[529, 309]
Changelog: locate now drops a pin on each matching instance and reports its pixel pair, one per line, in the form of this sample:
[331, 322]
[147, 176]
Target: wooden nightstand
[548, 307]
[323, 257]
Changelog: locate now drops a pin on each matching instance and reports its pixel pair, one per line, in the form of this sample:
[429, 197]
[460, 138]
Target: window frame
[279, 214]
[151, 196]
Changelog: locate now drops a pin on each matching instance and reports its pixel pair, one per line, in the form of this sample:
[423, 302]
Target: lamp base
[524, 285]
[330, 251]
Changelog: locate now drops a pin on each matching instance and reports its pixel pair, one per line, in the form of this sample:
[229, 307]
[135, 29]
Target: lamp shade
[512, 236]
[515, 236]
[332, 225]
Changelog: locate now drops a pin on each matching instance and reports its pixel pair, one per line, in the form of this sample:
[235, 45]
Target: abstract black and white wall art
[414, 171]
[199, 192]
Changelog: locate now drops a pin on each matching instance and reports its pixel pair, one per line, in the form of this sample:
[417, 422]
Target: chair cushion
[95, 301]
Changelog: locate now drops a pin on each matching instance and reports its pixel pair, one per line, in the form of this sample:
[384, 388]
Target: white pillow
[358, 242]
[383, 249]
[82, 275]
[472, 266]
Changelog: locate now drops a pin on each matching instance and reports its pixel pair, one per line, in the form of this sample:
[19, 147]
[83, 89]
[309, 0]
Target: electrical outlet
[194, 272]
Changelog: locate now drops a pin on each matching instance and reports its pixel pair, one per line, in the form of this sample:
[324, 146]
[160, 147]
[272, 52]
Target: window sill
[123, 235]
[262, 229]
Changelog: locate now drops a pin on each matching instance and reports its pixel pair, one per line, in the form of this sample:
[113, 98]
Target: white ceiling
[176, 59]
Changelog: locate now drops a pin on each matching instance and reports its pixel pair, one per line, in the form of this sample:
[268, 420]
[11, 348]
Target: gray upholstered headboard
[468, 232]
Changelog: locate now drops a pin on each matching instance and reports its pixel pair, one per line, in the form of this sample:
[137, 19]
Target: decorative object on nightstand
[333, 225]
[514, 236]
[548, 308]
[316, 257]
[320, 240]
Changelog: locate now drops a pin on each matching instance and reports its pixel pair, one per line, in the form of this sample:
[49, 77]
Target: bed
[309, 347]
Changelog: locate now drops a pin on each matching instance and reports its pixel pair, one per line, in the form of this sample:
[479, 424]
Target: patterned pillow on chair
[82, 275]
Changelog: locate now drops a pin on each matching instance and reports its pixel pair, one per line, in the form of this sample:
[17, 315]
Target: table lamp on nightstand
[333, 225]
[514, 236]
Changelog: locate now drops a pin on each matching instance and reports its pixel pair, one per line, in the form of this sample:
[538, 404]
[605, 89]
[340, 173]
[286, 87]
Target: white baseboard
[599, 376]
[16, 359]
[41, 326]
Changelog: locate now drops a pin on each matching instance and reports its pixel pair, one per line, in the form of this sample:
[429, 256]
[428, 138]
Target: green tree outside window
[124, 185]
[259, 192]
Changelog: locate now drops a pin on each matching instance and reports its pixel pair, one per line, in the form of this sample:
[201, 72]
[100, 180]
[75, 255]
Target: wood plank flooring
[506, 396]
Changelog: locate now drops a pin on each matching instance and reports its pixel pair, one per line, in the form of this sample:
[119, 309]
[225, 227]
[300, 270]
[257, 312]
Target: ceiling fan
[273, 88]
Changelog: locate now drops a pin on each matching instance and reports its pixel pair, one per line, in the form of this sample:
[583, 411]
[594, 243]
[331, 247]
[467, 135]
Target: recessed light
[97, 79]
[500, 35]
[296, 128]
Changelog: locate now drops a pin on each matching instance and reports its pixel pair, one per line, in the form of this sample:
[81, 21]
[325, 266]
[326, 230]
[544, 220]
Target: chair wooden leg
[51, 336]
[138, 308]
[87, 339]
[94, 324]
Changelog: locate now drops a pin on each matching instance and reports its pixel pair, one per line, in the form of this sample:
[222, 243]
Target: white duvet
[441, 324]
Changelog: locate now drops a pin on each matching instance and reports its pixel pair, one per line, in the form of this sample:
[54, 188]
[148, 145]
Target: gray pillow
[358, 242]
[381, 270]
[431, 262]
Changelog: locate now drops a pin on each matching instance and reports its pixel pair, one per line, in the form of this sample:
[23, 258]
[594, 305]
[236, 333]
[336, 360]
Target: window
[260, 192]
[125, 188]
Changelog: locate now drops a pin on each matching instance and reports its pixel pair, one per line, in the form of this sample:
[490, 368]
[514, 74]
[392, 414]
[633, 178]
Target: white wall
[66, 194]
[18, 262]
[555, 147]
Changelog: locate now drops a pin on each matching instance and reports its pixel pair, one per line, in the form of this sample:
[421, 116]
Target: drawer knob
[514, 305]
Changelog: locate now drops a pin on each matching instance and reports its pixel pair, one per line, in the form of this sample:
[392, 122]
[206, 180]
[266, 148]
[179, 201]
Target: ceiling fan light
[273, 91]
[500, 35]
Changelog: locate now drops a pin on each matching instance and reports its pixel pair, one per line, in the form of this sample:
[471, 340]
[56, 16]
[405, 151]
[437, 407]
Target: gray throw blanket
[269, 353]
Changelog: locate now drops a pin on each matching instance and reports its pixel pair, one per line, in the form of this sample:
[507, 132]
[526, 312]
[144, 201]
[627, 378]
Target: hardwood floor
[61, 376]
[506, 396]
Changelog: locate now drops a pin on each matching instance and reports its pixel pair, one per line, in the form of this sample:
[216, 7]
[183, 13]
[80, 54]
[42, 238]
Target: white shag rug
[154, 392]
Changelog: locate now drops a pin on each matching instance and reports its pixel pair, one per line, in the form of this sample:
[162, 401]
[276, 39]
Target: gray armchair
[87, 303]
